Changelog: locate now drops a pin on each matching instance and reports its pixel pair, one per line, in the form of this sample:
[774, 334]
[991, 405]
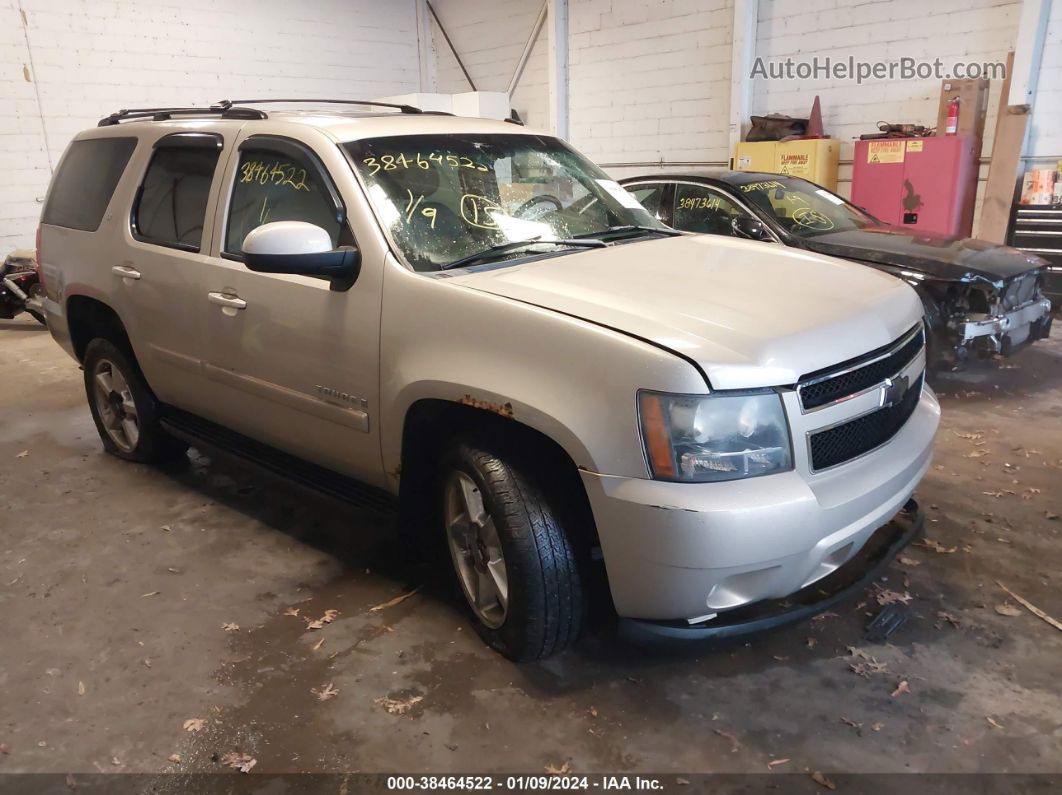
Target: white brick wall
[490, 36]
[649, 79]
[1046, 135]
[966, 30]
[87, 58]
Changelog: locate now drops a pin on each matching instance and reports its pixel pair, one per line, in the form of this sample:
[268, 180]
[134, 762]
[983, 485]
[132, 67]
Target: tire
[108, 367]
[544, 607]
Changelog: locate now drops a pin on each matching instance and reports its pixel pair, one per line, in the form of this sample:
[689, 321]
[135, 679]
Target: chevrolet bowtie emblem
[893, 390]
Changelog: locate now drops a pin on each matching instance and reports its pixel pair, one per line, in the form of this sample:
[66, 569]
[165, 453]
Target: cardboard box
[973, 106]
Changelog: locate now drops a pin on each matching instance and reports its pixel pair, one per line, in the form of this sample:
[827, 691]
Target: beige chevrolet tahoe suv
[472, 318]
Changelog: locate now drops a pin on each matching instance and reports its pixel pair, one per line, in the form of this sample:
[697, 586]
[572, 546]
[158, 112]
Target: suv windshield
[446, 197]
[803, 208]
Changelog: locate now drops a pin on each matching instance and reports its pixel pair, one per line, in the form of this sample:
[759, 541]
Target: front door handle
[125, 272]
[228, 301]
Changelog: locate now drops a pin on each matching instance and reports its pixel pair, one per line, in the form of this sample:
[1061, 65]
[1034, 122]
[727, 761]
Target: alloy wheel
[117, 409]
[476, 550]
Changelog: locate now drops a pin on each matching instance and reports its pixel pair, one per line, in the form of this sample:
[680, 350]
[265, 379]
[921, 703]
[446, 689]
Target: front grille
[823, 389]
[854, 438]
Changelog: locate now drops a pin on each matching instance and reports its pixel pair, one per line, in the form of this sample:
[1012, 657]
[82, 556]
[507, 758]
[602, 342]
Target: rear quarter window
[85, 182]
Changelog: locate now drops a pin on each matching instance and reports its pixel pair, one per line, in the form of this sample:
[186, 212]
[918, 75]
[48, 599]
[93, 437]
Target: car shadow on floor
[359, 540]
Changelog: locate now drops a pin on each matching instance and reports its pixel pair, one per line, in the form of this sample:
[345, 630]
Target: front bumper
[847, 582]
[690, 552]
[1003, 334]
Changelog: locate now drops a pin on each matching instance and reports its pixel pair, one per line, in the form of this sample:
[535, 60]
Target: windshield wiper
[514, 245]
[631, 228]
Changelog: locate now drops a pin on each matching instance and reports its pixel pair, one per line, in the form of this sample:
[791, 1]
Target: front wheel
[513, 560]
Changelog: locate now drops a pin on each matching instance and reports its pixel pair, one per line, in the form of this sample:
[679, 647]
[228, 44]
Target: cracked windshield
[447, 199]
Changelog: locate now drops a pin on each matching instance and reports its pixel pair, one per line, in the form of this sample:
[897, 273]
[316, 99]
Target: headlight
[715, 437]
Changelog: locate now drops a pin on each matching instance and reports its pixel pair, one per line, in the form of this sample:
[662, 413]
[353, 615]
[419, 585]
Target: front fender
[572, 380]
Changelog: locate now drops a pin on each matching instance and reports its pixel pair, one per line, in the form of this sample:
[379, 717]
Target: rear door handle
[230, 301]
[125, 272]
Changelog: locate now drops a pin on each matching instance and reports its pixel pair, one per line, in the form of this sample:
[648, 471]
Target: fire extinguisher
[952, 126]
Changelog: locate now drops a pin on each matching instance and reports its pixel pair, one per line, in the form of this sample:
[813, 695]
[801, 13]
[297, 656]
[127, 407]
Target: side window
[85, 182]
[274, 185]
[649, 195]
[701, 209]
[170, 209]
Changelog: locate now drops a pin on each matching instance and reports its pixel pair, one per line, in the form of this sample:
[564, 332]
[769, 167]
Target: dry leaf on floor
[593, 712]
[877, 726]
[150, 593]
[936, 546]
[822, 781]
[901, 688]
[776, 762]
[4, 748]
[291, 611]
[230, 627]
[1036, 611]
[194, 724]
[945, 616]
[396, 601]
[175, 758]
[563, 770]
[906, 561]
[734, 744]
[887, 597]
[328, 617]
[1053, 517]
[239, 761]
[867, 665]
[1007, 609]
[849, 722]
[81, 688]
[811, 642]
[319, 644]
[116, 761]
[326, 692]
[23, 454]
[992, 722]
[396, 706]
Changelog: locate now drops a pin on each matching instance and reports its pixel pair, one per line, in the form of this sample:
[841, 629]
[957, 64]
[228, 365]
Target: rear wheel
[513, 559]
[125, 411]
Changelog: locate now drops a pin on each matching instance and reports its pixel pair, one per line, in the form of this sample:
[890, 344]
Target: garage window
[85, 182]
[170, 209]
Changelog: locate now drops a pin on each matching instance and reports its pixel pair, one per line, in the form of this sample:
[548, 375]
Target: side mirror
[302, 249]
[749, 227]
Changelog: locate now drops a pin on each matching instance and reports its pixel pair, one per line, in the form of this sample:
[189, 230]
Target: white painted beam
[1028, 51]
[426, 49]
[742, 57]
[557, 17]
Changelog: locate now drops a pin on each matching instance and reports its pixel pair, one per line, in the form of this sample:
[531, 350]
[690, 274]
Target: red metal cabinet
[925, 183]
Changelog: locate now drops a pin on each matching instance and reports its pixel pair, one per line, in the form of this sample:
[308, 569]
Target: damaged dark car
[980, 299]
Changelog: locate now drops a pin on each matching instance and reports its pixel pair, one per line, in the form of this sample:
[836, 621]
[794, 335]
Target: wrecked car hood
[937, 256]
[748, 314]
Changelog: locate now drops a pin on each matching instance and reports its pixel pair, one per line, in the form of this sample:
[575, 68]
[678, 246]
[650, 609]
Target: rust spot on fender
[504, 409]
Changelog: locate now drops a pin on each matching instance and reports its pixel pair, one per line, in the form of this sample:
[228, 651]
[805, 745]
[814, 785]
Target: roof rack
[165, 114]
[232, 109]
[229, 103]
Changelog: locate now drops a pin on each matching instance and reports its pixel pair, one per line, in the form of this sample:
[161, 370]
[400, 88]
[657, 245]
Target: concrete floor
[116, 581]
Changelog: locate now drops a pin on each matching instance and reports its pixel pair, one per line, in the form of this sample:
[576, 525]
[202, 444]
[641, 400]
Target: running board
[207, 435]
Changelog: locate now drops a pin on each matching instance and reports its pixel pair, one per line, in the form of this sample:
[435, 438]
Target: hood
[951, 258]
[749, 314]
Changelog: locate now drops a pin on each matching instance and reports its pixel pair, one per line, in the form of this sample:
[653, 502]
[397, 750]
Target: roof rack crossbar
[164, 114]
[228, 103]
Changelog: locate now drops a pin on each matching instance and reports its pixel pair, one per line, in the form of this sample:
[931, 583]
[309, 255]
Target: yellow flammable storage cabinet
[813, 159]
